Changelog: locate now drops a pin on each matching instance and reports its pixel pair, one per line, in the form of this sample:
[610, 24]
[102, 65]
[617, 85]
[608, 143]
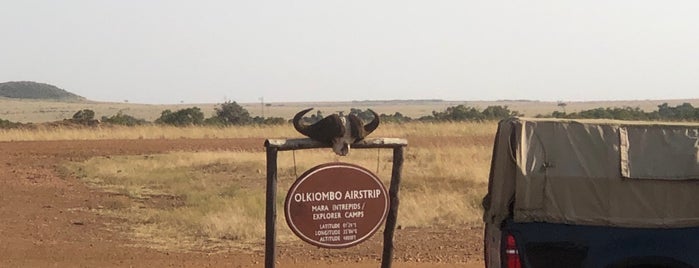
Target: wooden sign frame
[273, 146]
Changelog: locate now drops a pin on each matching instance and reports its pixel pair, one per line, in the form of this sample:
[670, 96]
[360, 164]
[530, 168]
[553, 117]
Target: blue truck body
[564, 245]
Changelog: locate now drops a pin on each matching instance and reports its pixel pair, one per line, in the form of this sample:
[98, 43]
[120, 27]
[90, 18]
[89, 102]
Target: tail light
[511, 253]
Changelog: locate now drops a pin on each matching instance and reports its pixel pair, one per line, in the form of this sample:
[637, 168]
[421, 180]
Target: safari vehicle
[593, 193]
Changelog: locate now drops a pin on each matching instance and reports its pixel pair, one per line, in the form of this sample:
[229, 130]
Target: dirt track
[45, 219]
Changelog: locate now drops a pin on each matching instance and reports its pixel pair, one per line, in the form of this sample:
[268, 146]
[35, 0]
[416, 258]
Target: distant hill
[34, 90]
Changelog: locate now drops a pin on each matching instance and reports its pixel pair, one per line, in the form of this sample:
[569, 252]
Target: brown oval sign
[336, 205]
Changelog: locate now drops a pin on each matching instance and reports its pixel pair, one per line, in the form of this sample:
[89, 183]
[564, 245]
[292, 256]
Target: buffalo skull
[340, 131]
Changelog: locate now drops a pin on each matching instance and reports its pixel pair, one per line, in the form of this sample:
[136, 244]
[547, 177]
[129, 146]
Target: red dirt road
[45, 220]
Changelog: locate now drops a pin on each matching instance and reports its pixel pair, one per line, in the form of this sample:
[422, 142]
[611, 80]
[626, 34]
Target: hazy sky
[327, 50]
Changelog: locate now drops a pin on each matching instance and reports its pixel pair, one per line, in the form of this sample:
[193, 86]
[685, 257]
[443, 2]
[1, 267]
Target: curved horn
[373, 124]
[300, 127]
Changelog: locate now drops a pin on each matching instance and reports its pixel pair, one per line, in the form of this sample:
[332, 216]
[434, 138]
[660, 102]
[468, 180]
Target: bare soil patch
[48, 219]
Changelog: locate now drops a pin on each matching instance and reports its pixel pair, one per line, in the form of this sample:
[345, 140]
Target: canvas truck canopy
[595, 172]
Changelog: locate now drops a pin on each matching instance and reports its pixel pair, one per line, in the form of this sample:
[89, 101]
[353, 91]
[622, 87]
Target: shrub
[123, 119]
[395, 118]
[183, 117]
[84, 115]
[9, 124]
[233, 114]
[272, 120]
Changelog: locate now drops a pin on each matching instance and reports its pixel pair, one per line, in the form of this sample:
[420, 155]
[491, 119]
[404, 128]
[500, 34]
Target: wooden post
[275, 145]
[271, 209]
[392, 217]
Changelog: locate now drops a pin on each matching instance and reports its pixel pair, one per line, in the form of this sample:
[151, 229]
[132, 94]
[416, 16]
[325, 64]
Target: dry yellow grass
[414, 129]
[143, 132]
[221, 194]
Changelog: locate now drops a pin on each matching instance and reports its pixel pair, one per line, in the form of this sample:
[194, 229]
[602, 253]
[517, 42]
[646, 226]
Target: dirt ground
[45, 220]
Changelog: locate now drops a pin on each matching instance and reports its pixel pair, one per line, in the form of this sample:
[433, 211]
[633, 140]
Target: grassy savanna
[38, 111]
[203, 200]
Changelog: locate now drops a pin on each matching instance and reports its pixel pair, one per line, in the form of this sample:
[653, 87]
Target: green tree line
[232, 114]
[682, 112]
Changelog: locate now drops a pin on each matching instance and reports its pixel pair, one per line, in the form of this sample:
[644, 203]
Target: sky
[153, 51]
